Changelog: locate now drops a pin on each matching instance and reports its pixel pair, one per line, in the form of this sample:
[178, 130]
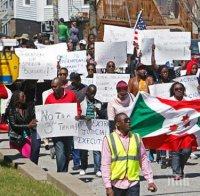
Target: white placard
[146, 49]
[160, 90]
[172, 46]
[74, 61]
[119, 34]
[191, 84]
[45, 94]
[113, 51]
[36, 64]
[91, 134]
[4, 102]
[87, 81]
[56, 120]
[106, 85]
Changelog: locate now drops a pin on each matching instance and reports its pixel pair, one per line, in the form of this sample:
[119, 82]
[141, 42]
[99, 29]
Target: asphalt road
[189, 186]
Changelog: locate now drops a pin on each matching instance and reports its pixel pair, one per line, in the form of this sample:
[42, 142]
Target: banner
[91, 134]
[146, 49]
[56, 120]
[119, 34]
[106, 85]
[191, 84]
[74, 61]
[113, 51]
[172, 46]
[160, 90]
[36, 64]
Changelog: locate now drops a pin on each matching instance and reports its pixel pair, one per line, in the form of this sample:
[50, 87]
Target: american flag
[140, 25]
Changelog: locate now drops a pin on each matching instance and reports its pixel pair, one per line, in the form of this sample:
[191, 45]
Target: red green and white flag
[166, 124]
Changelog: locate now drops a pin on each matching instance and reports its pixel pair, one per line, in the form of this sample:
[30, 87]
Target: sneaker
[193, 156]
[98, 174]
[82, 172]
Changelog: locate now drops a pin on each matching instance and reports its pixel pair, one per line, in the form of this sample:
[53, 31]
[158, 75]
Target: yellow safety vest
[124, 164]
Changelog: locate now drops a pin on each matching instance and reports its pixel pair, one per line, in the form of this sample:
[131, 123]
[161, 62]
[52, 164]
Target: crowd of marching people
[68, 88]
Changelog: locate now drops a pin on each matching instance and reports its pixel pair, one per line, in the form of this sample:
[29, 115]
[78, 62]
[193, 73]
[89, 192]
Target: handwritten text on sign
[56, 120]
[74, 61]
[36, 64]
[106, 85]
[191, 84]
[91, 134]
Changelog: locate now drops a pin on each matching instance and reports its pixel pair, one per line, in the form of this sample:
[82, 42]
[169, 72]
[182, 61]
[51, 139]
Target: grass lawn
[13, 183]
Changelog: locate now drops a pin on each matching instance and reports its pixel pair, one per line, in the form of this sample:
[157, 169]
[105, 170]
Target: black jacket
[19, 123]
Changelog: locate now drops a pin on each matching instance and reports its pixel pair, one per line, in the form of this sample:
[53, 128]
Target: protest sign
[113, 51]
[56, 120]
[86, 81]
[160, 90]
[172, 46]
[91, 134]
[146, 49]
[36, 64]
[106, 85]
[119, 34]
[191, 84]
[74, 61]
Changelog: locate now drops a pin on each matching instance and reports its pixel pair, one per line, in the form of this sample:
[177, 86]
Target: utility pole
[93, 16]
[55, 20]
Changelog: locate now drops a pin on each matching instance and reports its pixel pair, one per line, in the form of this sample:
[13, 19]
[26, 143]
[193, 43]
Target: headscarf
[121, 85]
[189, 65]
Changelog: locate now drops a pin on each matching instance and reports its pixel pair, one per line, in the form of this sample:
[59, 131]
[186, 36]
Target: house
[29, 16]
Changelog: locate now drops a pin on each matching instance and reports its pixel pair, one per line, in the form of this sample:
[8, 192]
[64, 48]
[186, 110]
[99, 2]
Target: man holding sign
[62, 144]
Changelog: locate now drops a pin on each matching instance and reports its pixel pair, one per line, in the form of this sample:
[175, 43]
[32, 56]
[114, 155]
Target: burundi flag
[165, 124]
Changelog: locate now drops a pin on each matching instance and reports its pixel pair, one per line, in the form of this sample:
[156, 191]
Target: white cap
[82, 42]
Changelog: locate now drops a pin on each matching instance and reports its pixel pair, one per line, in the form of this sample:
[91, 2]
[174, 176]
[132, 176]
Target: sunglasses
[110, 66]
[178, 89]
[64, 74]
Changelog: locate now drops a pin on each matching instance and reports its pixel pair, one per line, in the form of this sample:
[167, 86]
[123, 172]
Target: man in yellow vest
[123, 154]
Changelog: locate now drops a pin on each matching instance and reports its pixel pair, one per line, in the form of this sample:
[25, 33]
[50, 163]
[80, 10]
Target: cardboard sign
[91, 134]
[160, 90]
[36, 64]
[119, 34]
[74, 61]
[106, 85]
[172, 46]
[113, 51]
[191, 84]
[87, 81]
[56, 120]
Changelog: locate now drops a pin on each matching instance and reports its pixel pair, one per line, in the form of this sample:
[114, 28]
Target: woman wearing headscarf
[122, 103]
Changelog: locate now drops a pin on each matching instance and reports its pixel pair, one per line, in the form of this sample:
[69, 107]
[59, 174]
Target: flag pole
[138, 17]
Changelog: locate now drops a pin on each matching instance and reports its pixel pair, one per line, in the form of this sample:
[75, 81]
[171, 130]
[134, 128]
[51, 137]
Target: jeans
[35, 147]
[75, 156]
[178, 161]
[131, 191]
[62, 149]
[96, 157]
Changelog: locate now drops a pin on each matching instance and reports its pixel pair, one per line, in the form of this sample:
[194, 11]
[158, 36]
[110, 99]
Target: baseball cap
[74, 76]
[82, 42]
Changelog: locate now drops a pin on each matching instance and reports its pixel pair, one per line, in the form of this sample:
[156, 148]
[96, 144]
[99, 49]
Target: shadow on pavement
[174, 193]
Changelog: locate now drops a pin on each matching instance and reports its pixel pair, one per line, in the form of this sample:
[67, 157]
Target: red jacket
[3, 92]
[68, 97]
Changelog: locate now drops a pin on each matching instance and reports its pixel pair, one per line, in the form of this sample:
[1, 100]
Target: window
[49, 2]
[27, 2]
[86, 2]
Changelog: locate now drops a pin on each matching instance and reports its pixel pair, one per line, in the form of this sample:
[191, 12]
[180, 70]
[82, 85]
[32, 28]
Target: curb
[63, 181]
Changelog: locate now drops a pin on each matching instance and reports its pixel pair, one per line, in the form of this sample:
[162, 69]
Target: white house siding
[63, 10]
[48, 13]
[25, 12]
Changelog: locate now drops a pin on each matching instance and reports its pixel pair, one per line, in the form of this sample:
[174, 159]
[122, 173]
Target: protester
[63, 74]
[91, 109]
[62, 144]
[123, 154]
[110, 67]
[63, 31]
[141, 81]
[80, 90]
[186, 143]
[82, 44]
[192, 67]
[91, 69]
[22, 123]
[74, 34]
[123, 103]
[91, 38]
[70, 47]
[90, 53]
